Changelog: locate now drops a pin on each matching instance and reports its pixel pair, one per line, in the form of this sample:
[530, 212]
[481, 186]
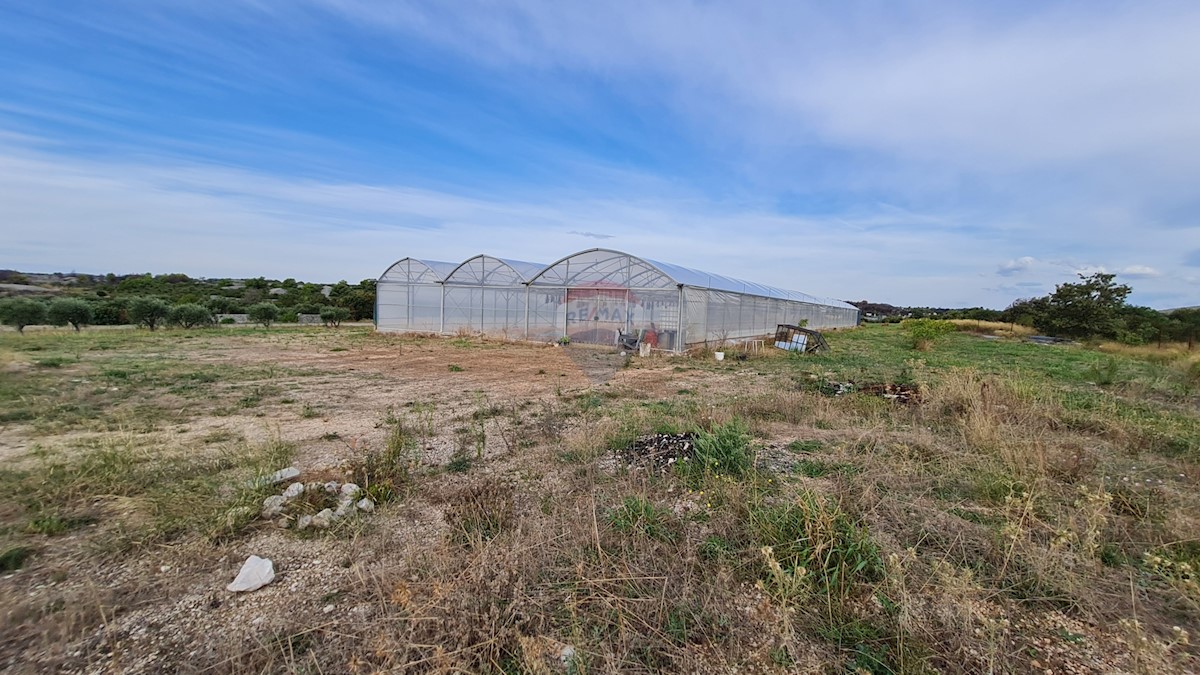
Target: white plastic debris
[256, 572]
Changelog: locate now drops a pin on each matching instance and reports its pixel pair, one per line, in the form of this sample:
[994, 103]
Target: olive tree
[63, 311]
[149, 311]
[190, 315]
[264, 313]
[21, 312]
[334, 316]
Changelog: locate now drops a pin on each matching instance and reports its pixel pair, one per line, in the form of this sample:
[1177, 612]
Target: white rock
[256, 572]
[323, 519]
[567, 653]
[349, 489]
[327, 609]
[304, 522]
[365, 504]
[272, 506]
[331, 487]
[343, 509]
[282, 475]
[294, 490]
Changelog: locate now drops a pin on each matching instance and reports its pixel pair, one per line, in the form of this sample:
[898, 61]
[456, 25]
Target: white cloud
[1017, 266]
[1140, 272]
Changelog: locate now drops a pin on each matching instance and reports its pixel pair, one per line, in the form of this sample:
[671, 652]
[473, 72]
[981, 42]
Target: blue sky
[905, 152]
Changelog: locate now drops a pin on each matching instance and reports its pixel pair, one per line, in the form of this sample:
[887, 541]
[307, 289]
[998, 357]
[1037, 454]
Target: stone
[304, 522]
[283, 522]
[344, 509]
[323, 519]
[365, 504]
[272, 506]
[282, 475]
[256, 572]
[332, 487]
[294, 490]
[349, 489]
[567, 653]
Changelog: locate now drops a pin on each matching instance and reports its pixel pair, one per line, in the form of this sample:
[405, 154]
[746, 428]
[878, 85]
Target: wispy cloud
[592, 235]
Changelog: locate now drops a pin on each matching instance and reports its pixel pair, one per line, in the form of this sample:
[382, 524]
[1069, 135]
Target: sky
[911, 152]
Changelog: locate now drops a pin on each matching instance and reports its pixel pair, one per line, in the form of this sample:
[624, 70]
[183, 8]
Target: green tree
[190, 315]
[112, 312]
[334, 316]
[149, 311]
[1091, 308]
[63, 311]
[264, 313]
[21, 312]
[360, 303]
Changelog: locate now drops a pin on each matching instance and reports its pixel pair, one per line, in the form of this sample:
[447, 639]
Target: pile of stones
[658, 452]
[282, 508]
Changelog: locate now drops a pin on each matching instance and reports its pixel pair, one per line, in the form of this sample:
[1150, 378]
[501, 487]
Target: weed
[481, 512]
[639, 516]
[805, 446]
[814, 535]
[14, 558]
[455, 368]
[723, 451]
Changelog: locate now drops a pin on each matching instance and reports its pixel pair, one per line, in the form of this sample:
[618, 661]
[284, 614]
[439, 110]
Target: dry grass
[997, 328]
[1000, 521]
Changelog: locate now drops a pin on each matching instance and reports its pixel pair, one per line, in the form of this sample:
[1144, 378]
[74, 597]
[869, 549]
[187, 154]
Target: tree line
[176, 299]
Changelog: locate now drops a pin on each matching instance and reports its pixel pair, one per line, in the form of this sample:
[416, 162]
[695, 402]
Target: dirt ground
[402, 590]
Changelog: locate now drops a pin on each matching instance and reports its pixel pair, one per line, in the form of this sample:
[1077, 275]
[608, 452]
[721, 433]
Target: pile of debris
[283, 508]
[658, 452]
[901, 393]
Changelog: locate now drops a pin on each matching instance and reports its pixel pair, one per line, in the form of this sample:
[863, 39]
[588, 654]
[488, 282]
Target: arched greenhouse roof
[604, 267]
[486, 270]
[414, 271]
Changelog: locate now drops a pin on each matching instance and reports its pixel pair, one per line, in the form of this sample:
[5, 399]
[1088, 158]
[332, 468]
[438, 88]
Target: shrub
[149, 311]
[334, 316]
[21, 312]
[63, 311]
[924, 332]
[264, 313]
[190, 315]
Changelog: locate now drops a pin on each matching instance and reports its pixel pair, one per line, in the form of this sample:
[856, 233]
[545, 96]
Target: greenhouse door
[597, 315]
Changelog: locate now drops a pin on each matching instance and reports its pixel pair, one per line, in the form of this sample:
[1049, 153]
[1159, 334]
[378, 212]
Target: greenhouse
[594, 297]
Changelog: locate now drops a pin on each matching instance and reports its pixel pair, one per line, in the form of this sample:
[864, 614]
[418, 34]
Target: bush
[111, 313]
[190, 315]
[334, 316]
[924, 332]
[63, 311]
[149, 311]
[21, 312]
[288, 316]
[263, 313]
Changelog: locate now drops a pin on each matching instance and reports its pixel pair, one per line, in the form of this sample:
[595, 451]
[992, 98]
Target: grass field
[987, 505]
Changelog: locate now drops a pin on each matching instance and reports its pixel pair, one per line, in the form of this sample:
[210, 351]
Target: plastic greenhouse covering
[593, 296]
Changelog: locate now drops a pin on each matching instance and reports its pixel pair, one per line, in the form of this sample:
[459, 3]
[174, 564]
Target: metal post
[678, 346]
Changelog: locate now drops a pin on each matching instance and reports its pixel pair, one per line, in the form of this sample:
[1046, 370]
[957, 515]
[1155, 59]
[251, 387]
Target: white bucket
[720, 355]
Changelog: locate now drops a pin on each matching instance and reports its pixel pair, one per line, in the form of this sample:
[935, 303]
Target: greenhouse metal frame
[593, 297]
